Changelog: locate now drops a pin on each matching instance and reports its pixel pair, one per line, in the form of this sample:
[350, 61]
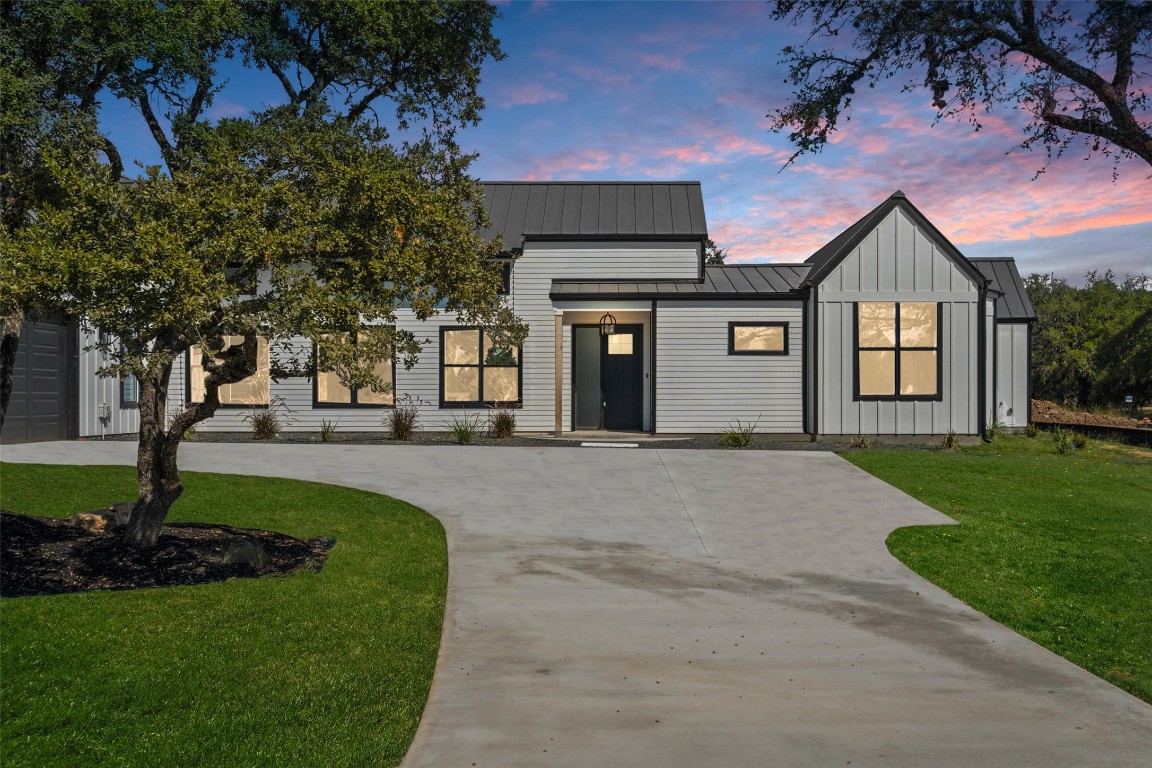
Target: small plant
[950, 442]
[267, 422]
[995, 427]
[1031, 430]
[403, 420]
[502, 424]
[738, 435]
[465, 428]
[860, 441]
[190, 434]
[1067, 441]
[328, 430]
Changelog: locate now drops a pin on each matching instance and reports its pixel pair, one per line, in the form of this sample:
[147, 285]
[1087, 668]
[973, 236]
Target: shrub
[503, 424]
[996, 428]
[465, 428]
[403, 420]
[950, 442]
[1031, 430]
[267, 422]
[1067, 440]
[738, 434]
[190, 434]
[860, 441]
[328, 430]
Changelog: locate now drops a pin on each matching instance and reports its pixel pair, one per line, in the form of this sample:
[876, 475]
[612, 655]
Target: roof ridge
[584, 183]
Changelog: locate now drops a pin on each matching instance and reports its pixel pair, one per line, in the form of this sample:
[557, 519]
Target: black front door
[622, 377]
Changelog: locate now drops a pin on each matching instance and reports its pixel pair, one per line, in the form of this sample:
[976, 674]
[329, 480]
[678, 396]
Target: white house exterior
[887, 330]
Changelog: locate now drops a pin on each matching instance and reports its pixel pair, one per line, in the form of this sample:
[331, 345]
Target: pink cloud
[528, 93]
[660, 61]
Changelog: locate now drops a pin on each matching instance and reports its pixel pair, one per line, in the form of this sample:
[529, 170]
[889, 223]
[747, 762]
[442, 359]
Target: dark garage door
[43, 404]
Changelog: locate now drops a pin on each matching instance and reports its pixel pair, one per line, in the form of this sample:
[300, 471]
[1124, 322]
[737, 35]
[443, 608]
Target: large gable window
[330, 392]
[897, 350]
[246, 392]
[474, 372]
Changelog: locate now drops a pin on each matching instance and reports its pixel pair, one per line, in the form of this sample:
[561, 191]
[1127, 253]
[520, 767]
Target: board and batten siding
[1012, 396]
[897, 261]
[532, 276]
[95, 392]
[700, 388]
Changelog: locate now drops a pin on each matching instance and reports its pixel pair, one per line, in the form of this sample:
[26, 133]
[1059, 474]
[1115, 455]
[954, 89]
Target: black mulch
[49, 556]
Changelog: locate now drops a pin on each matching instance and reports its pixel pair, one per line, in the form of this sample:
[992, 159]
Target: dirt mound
[1046, 411]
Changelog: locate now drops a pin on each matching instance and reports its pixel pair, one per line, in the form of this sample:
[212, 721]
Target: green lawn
[320, 669]
[1057, 547]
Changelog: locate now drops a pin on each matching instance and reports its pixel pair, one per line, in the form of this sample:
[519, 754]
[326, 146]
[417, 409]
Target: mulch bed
[50, 556]
[1048, 412]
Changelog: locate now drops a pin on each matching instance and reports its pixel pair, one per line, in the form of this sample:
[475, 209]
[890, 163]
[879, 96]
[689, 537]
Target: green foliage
[950, 442]
[465, 427]
[403, 420]
[328, 430]
[738, 435]
[860, 441]
[503, 424]
[311, 669]
[1068, 440]
[1031, 431]
[714, 255]
[1054, 547]
[267, 421]
[995, 427]
[1092, 345]
[190, 434]
[971, 57]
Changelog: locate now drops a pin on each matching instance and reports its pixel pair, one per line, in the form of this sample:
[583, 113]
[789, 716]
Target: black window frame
[481, 365]
[938, 349]
[355, 390]
[732, 326]
[126, 404]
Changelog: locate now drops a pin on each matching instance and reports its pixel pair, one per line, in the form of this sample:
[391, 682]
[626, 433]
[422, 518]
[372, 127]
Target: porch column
[559, 377]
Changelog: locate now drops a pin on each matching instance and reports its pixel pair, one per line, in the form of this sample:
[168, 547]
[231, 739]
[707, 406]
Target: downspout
[815, 362]
[804, 376]
[1028, 378]
[652, 384]
[982, 365]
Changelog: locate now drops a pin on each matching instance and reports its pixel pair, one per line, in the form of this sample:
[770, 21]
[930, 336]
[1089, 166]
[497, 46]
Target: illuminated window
[757, 338]
[897, 350]
[474, 372]
[620, 344]
[329, 390]
[247, 392]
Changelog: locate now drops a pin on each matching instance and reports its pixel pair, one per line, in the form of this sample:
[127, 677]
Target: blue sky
[680, 90]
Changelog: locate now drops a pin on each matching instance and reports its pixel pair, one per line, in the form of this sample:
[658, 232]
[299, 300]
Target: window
[897, 350]
[247, 392]
[474, 372]
[620, 344]
[505, 278]
[757, 338]
[330, 392]
[129, 392]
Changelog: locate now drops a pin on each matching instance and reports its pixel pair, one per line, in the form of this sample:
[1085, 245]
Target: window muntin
[253, 390]
[765, 338]
[476, 372]
[897, 350]
[620, 344]
[329, 390]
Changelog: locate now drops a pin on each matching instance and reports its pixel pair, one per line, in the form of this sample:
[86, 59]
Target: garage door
[43, 404]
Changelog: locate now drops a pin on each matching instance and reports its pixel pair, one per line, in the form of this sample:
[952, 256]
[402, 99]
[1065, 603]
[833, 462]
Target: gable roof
[1013, 304]
[746, 281]
[829, 257]
[594, 211]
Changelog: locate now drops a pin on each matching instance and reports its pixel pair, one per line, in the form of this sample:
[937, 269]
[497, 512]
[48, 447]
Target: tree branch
[166, 149]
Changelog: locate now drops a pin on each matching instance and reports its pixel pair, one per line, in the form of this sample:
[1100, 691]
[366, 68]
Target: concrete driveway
[698, 608]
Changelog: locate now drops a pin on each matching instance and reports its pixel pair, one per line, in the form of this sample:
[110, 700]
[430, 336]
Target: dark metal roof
[745, 281]
[1013, 304]
[827, 258]
[594, 210]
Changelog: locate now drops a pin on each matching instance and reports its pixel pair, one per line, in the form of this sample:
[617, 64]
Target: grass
[1056, 547]
[313, 669]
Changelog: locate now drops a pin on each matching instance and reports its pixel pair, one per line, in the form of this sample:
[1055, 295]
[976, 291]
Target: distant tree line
[1092, 346]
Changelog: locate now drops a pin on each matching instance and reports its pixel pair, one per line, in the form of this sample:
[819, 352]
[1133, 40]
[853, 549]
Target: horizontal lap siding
[532, 278]
[701, 388]
[897, 262]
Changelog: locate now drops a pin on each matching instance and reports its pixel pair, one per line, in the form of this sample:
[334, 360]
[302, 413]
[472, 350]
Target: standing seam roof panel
[696, 208]
[570, 225]
[608, 208]
[681, 212]
[590, 210]
[626, 200]
[644, 214]
[498, 210]
[517, 210]
[661, 210]
[534, 216]
[553, 210]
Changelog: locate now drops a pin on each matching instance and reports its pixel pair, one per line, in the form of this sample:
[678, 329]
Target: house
[886, 330]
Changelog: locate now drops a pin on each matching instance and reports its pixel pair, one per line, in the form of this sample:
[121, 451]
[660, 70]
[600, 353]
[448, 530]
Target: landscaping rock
[102, 521]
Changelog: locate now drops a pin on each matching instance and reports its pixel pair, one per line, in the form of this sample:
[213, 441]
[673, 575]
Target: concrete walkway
[614, 607]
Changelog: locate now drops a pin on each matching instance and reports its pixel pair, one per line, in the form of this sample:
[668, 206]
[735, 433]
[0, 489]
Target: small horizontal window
[757, 338]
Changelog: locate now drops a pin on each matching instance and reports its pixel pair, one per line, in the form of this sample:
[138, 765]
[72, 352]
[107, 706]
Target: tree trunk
[157, 475]
[13, 322]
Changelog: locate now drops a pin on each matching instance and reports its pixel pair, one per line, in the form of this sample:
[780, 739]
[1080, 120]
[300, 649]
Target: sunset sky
[679, 91]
